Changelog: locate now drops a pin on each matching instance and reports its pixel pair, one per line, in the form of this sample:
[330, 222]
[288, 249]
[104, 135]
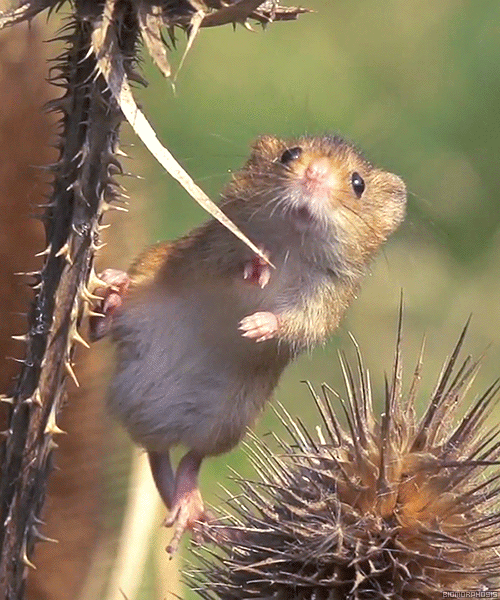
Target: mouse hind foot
[187, 511]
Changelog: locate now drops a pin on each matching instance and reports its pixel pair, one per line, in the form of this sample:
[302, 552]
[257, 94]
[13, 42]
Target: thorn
[97, 247]
[51, 426]
[118, 208]
[88, 296]
[95, 281]
[36, 399]
[90, 51]
[78, 338]
[6, 433]
[20, 338]
[29, 273]
[45, 252]
[107, 206]
[42, 538]
[70, 372]
[6, 399]
[92, 313]
[102, 227]
[38, 521]
[121, 153]
[64, 251]
[320, 435]
[27, 561]
[21, 361]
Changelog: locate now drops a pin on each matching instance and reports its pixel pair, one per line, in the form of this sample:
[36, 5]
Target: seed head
[392, 507]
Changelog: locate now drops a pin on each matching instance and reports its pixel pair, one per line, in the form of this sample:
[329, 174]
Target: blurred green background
[414, 83]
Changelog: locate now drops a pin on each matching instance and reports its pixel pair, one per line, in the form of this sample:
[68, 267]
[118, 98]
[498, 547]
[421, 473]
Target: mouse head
[324, 182]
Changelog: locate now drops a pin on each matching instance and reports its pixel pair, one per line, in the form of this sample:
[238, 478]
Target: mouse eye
[290, 154]
[358, 184]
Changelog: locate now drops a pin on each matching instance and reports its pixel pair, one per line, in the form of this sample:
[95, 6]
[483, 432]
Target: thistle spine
[82, 188]
[391, 507]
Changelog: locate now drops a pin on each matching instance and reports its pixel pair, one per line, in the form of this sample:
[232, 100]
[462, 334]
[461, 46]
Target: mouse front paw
[257, 271]
[260, 326]
[117, 286]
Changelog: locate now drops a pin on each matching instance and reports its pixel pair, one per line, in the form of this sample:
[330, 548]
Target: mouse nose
[319, 169]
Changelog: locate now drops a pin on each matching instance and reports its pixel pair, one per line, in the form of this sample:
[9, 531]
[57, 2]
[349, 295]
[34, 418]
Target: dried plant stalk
[83, 188]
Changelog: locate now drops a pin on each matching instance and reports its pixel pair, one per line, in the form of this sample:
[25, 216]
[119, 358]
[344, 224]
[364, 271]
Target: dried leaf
[265, 12]
[196, 21]
[150, 23]
[110, 62]
[281, 13]
[234, 13]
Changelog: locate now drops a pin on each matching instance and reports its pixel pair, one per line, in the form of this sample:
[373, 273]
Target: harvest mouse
[203, 328]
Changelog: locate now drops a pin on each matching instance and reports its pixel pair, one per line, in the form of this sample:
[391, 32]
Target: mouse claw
[265, 276]
[101, 321]
[187, 514]
[172, 547]
[257, 270]
[260, 326]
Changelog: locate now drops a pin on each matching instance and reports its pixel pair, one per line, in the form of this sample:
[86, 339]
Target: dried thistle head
[151, 16]
[396, 507]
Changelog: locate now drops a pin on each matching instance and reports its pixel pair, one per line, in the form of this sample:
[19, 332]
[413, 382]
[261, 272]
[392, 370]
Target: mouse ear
[266, 147]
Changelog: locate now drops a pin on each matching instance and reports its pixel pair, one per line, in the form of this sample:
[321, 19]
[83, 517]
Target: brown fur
[185, 373]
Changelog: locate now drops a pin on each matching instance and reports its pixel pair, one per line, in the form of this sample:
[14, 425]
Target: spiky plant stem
[83, 188]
